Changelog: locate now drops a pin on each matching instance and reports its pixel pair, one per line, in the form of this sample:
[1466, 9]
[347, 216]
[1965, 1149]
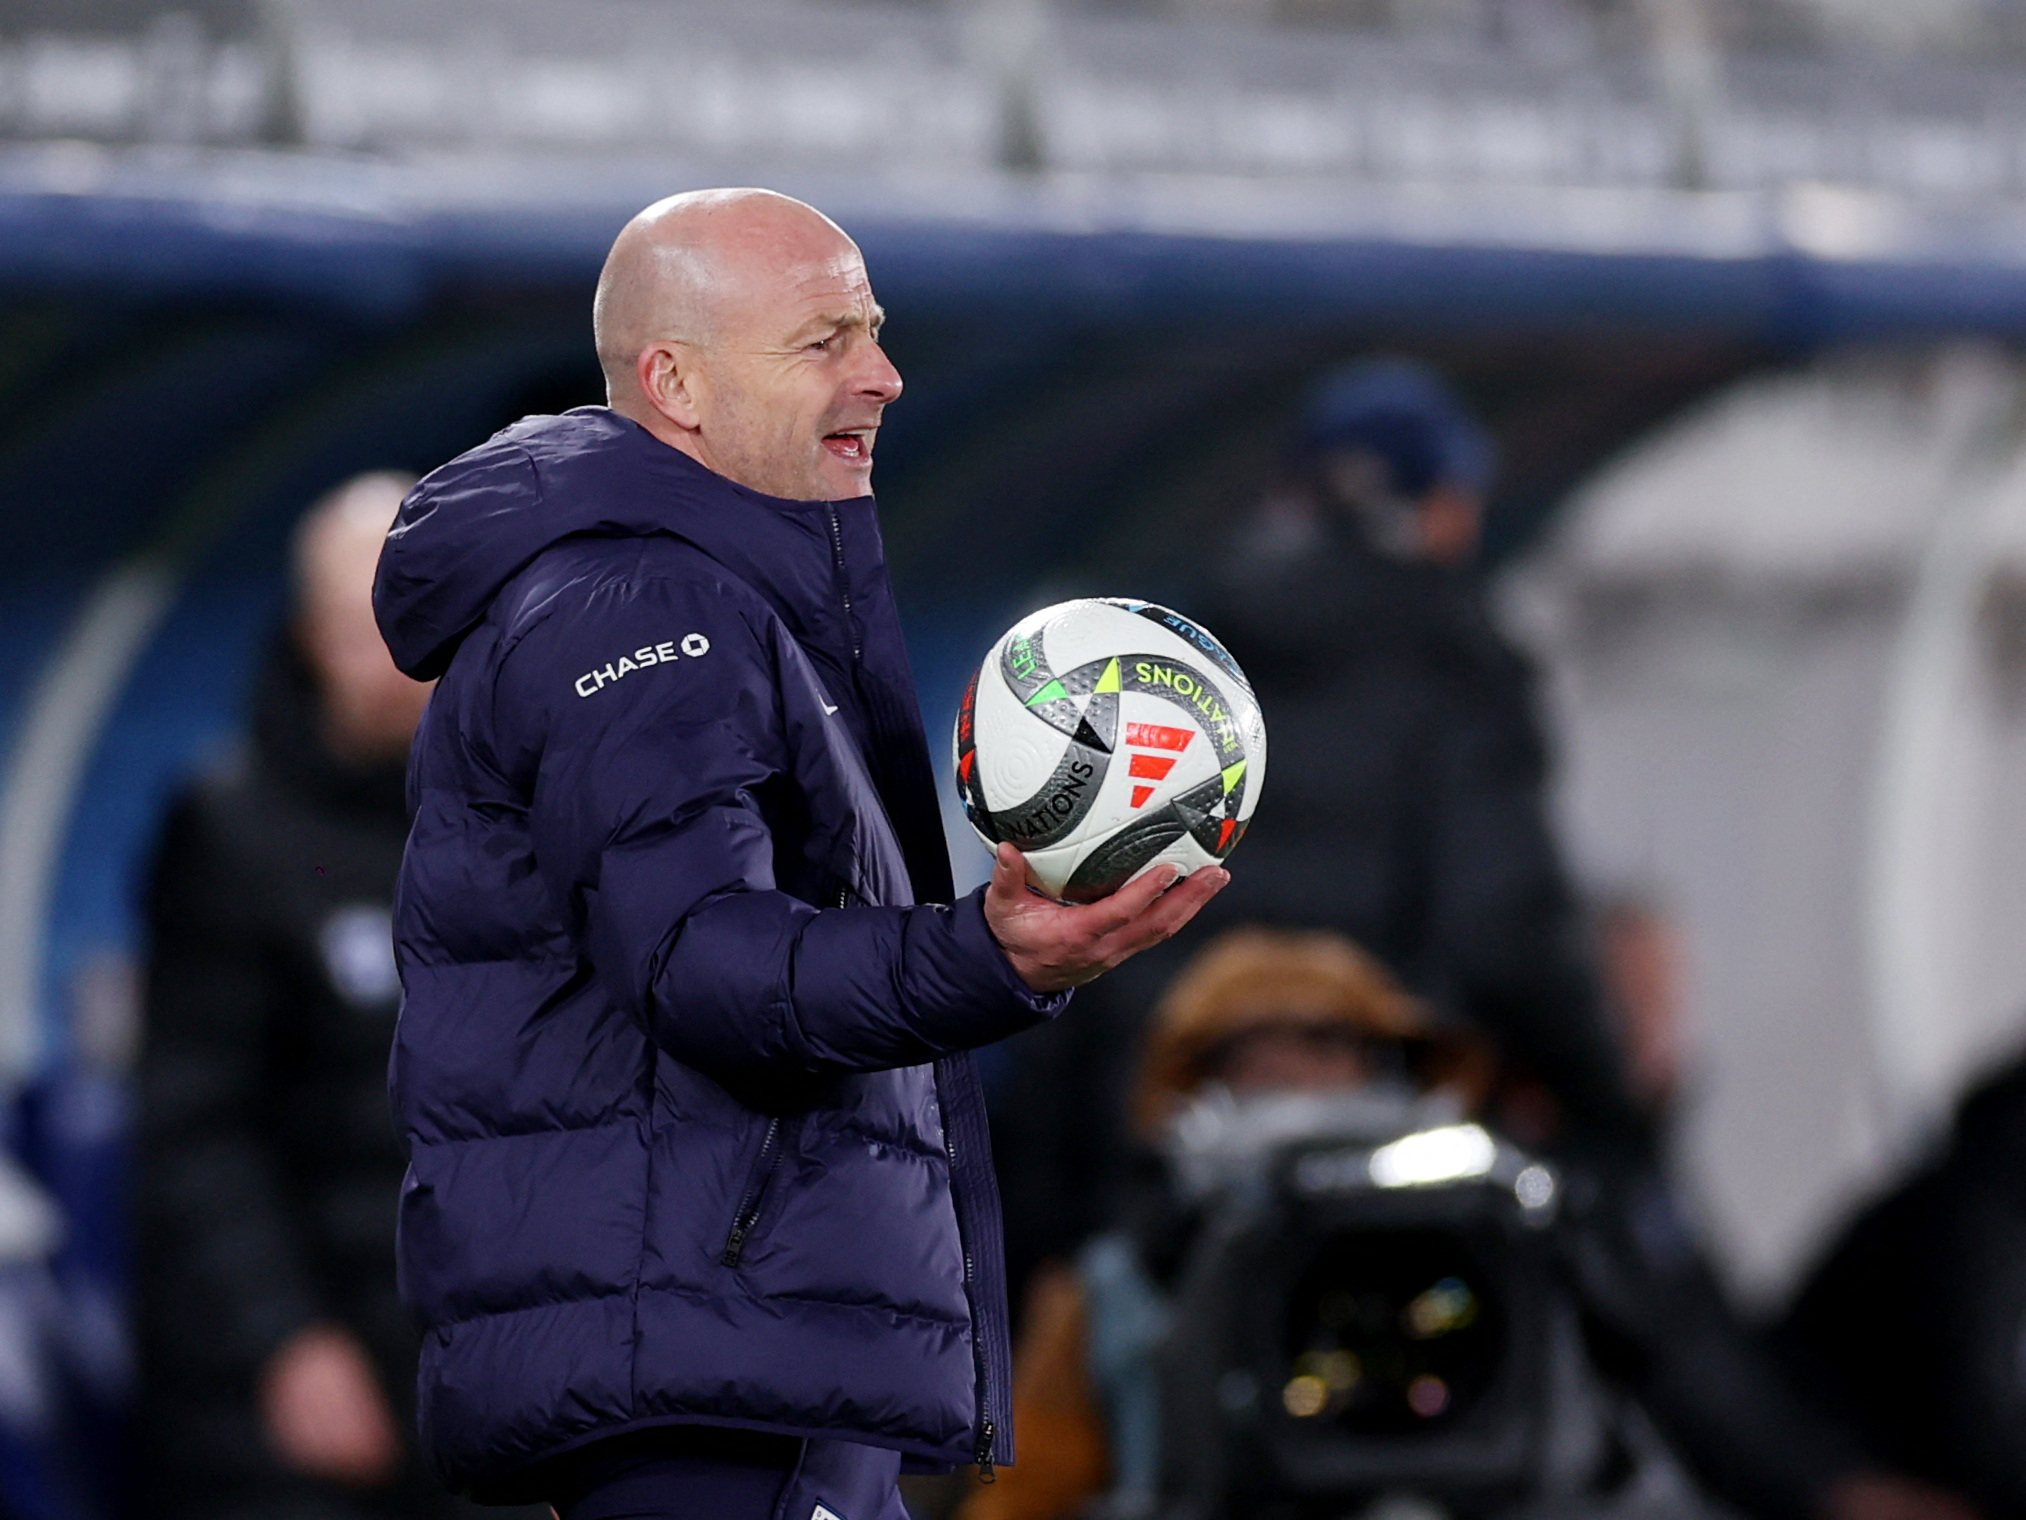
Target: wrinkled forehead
[783, 287]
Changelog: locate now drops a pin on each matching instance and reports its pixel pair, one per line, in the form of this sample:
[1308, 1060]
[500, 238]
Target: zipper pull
[987, 1433]
[735, 1247]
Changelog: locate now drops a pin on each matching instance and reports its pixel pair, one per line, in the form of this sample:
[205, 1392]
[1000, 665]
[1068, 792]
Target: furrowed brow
[842, 321]
[871, 321]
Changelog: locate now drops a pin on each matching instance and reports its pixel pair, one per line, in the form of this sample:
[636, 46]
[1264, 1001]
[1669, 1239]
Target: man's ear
[667, 373]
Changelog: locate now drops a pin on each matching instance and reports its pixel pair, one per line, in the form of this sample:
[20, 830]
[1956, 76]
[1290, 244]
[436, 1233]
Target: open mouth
[853, 447]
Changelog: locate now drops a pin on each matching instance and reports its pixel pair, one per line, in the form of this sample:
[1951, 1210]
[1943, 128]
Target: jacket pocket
[754, 1195]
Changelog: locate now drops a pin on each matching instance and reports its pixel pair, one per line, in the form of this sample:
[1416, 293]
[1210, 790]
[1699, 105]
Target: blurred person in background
[1640, 957]
[276, 1363]
[1255, 1012]
[1408, 762]
[1913, 1326]
[1262, 1016]
[1407, 808]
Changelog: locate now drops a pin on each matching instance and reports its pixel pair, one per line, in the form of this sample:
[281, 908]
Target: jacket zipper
[756, 1191]
[988, 1433]
[843, 583]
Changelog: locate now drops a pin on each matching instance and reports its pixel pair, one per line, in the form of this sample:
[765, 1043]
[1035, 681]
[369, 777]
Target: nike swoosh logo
[827, 708]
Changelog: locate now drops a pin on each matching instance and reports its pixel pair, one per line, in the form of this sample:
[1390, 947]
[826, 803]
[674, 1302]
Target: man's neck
[634, 410]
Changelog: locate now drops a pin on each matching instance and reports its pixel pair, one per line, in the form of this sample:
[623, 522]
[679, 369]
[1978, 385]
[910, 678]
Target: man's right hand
[1054, 947]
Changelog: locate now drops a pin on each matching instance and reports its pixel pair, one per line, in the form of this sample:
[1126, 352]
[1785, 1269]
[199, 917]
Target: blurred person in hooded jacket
[1285, 1022]
[1409, 762]
[276, 1363]
[1913, 1325]
[1407, 809]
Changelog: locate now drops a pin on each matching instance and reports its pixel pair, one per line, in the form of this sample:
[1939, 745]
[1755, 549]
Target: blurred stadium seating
[1724, 93]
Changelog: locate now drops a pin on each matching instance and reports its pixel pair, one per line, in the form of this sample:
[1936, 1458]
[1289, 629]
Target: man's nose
[877, 379]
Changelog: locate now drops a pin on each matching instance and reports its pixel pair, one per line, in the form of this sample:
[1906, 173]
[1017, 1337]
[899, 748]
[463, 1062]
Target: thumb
[1009, 872]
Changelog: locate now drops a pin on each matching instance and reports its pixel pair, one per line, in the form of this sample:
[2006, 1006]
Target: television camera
[1372, 1310]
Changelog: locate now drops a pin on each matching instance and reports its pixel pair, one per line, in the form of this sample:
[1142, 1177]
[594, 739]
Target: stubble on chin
[824, 477]
[795, 467]
[773, 467]
[847, 486]
[815, 483]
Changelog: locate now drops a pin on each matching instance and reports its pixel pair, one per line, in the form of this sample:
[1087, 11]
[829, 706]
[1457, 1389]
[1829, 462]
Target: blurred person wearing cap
[1409, 762]
[1256, 1014]
[276, 1363]
[1280, 1021]
[1409, 770]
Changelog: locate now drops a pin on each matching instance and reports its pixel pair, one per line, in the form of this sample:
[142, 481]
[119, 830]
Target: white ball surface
[1107, 737]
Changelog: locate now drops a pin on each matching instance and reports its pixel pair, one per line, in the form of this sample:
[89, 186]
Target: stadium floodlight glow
[1453, 1153]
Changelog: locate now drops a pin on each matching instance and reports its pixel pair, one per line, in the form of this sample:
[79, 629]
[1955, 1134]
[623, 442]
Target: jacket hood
[471, 526]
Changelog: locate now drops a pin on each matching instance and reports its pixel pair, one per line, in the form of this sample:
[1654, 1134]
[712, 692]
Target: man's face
[1443, 526]
[789, 391]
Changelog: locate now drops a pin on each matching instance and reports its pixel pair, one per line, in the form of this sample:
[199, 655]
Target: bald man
[699, 1215]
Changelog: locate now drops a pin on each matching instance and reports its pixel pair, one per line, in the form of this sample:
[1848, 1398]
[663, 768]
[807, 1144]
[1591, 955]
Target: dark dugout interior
[1035, 450]
[1084, 410]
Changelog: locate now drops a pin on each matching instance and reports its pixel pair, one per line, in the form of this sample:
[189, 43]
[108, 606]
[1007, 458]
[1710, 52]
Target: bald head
[370, 709]
[739, 326]
[688, 268]
[337, 541]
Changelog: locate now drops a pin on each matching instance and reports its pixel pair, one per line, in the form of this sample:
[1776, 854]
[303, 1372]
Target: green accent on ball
[1109, 681]
[1232, 773]
[1052, 692]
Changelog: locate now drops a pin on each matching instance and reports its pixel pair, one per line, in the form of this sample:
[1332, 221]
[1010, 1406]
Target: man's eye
[821, 345]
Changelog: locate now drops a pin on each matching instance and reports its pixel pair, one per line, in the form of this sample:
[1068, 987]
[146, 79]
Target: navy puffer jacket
[692, 1137]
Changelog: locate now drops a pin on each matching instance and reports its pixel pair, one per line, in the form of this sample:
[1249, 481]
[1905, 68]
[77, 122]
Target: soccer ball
[1105, 737]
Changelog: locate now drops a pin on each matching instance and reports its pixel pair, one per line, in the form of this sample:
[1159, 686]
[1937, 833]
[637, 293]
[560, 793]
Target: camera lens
[1390, 1332]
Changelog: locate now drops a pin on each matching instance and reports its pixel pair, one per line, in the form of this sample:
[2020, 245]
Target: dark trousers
[697, 1473]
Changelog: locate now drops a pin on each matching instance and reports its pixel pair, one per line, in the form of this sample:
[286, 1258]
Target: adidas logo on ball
[1105, 737]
